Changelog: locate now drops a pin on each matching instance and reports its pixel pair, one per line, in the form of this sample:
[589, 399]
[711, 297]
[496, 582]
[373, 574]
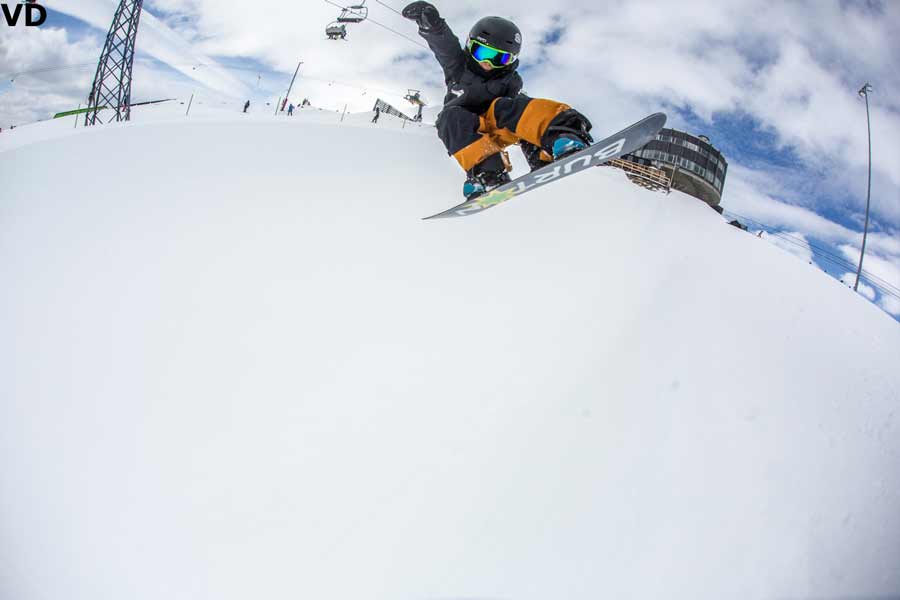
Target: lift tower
[112, 83]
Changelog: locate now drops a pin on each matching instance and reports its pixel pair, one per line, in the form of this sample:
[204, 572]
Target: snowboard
[626, 141]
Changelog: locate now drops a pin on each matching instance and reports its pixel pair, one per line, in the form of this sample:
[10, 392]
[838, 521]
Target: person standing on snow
[377, 114]
[484, 109]
[291, 110]
[246, 106]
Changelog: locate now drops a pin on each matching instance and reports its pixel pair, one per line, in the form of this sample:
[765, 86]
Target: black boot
[532, 155]
[569, 126]
[485, 176]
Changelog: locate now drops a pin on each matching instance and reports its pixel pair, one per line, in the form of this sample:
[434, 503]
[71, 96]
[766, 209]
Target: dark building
[699, 168]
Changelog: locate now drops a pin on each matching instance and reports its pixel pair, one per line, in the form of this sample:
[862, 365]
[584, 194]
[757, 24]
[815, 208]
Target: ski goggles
[497, 58]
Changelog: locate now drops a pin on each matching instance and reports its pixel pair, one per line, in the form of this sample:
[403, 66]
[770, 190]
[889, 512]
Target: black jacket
[468, 85]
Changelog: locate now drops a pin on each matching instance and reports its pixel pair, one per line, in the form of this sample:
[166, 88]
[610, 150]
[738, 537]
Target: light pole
[864, 92]
[290, 87]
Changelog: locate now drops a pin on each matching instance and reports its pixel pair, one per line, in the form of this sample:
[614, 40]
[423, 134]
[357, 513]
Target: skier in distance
[484, 110]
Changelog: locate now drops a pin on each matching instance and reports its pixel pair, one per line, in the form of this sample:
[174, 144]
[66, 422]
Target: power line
[341, 83]
[319, 79]
[300, 76]
[826, 253]
[15, 75]
[91, 65]
[801, 241]
[881, 284]
[258, 70]
[784, 234]
[814, 246]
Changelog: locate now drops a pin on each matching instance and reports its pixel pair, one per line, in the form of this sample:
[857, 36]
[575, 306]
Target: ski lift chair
[354, 14]
[414, 97]
[336, 31]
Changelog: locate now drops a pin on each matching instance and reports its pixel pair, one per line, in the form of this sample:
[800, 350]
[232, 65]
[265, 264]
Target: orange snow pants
[471, 138]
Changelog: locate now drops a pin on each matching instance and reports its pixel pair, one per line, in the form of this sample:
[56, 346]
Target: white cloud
[754, 194]
[864, 290]
[884, 267]
[891, 305]
[792, 242]
[39, 95]
[706, 55]
[158, 40]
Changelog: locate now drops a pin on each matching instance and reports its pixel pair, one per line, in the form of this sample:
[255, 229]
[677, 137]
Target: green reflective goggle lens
[497, 58]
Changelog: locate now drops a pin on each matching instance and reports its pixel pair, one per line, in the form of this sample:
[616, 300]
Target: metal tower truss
[112, 83]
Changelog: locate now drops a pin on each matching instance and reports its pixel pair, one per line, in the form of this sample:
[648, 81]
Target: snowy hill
[236, 364]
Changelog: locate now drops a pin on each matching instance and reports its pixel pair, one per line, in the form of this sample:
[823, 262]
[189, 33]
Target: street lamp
[864, 92]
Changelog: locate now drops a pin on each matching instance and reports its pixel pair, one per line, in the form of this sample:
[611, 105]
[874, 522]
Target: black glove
[424, 14]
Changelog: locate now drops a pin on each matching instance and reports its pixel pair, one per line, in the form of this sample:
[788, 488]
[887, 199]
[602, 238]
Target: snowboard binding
[490, 173]
[568, 133]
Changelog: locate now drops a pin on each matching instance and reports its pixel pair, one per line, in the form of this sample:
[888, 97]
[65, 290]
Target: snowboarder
[484, 110]
[377, 115]
[291, 110]
[246, 106]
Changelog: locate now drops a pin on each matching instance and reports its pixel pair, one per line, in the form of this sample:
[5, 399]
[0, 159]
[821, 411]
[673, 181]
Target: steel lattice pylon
[112, 83]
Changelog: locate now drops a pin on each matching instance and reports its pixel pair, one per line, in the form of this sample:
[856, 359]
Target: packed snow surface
[234, 363]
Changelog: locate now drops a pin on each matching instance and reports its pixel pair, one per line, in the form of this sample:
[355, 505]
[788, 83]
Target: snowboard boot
[533, 155]
[567, 133]
[485, 176]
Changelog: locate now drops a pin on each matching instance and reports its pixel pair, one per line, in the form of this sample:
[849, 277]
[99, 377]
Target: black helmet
[498, 33]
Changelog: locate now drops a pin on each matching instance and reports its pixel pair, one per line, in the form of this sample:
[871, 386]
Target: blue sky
[773, 85]
[76, 27]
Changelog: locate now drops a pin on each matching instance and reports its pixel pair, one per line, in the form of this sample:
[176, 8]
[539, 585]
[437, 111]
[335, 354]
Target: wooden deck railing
[648, 177]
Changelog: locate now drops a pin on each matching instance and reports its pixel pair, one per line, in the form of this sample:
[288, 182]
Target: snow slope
[236, 364]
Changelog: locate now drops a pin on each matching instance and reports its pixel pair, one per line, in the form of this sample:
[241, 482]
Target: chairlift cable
[374, 22]
[389, 7]
[398, 33]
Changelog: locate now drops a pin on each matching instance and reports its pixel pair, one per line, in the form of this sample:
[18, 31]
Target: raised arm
[441, 39]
